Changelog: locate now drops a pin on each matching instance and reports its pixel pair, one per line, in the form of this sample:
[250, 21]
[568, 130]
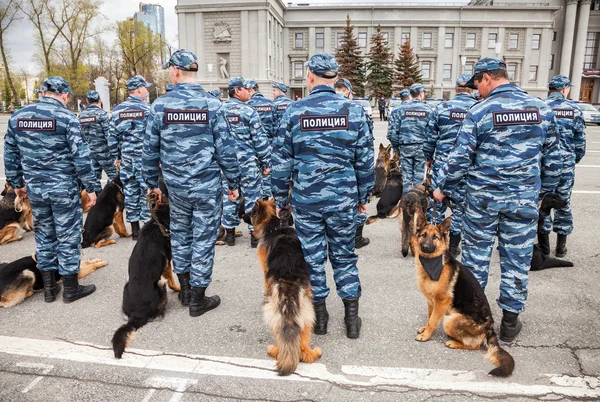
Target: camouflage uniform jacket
[95, 126]
[280, 104]
[572, 127]
[127, 126]
[266, 111]
[408, 123]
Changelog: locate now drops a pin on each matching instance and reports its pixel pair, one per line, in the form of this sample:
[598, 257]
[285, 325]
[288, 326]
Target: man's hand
[278, 210]
[428, 163]
[118, 163]
[21, 193]
[233, 195]
[362, 209]
[157, 192]
[266, 171]
[91, 198]
[438, 195]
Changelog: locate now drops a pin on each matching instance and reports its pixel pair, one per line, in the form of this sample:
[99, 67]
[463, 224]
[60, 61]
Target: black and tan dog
[414, 202]
[288, 308]
[388, 205]
[452, 292]
[539, 260]
[145, 294]
[382, 169]
[106, 217]
[15, 214]
[21, 278]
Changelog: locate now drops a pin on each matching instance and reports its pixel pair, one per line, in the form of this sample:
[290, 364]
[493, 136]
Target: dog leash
[153, 204]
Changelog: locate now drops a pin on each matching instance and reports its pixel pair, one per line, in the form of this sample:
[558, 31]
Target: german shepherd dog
[288, 308]
[145, 294]
[539, 261]
[21, 278]
[381, 169]
[452, 292]
[413, 202]
[388, 204]
[15, 214]
[106, 217]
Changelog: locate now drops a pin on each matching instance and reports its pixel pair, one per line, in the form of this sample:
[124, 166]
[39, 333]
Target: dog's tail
[125, 335]
[555, 263]
[375, 218]
[499, 357]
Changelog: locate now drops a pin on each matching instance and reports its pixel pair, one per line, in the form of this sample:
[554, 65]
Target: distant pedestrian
[11, 108]
[381, 104]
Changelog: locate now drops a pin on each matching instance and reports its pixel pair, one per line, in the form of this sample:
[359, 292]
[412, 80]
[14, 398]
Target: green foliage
[407, 67]
[6, 93]
[381, 73]
[348, 55]
[141, 49]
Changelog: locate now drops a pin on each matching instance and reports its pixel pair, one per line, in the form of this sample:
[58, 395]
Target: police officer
[265, 109]
[44, 150]
[325, 145]
[253, 154]
[406, 133]
[405, 95]
[508, 153]
[169, 88]
[216, 93]
[572, 140]
[344, 88]
[442, 130]
[280, 103]
[187, 134]
[95, 127]
[127, 126]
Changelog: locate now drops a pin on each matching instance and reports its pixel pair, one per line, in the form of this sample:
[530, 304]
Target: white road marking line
[594, 151]
[45, 370]
[375, 377]
[585, 192]
[588, 166]
[176, 397]
[149, 395]
[178, 385]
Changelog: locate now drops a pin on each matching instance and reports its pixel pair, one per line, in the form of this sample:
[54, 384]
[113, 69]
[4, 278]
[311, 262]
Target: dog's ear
[381, 147]
[389, 148]
[444, 227]
[420, 221]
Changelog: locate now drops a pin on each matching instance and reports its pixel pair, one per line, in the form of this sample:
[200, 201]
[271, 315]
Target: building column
[582, 28]
[568, 37]
[262, 44]
[545, 51]
[245, 39]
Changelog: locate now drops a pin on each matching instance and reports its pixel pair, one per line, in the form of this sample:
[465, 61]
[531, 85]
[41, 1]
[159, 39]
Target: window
[591, 51]
[426, 40]
[298, 69]
[340, 37]
[533, 73]
[269, 29]
[553, 36]
[511, 69]
[319, 40]
[469, 68]
[447, 72]
[386, 37]
[471, 40]
[426, 70]
[404, 37]
[535, 42]
[362, 39]
[492, 39]
[448, 40]
[513, 41]
[551, 66]
[299, 40]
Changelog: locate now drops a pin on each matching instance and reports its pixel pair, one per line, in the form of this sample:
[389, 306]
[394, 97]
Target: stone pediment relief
[221, 32]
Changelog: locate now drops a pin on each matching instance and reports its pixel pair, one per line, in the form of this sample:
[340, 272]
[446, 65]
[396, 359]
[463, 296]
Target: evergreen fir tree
[407, 68]
[350, 59]
[381, 73]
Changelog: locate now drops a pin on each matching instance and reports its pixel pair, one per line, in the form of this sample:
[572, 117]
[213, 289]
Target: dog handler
[43, 143]
[280, 104]
[325, 145]
[187, 135]
[507, 150]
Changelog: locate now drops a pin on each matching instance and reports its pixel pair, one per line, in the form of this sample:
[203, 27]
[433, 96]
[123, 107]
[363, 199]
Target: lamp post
[209, 67]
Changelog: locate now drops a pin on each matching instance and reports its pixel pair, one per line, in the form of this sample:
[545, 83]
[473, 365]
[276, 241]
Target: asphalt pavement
[61, 352]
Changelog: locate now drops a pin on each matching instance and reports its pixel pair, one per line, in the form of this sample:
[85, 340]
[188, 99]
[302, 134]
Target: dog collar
[433, 266]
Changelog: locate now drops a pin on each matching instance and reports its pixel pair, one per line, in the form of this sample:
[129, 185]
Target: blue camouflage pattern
[325, 149]
[508, 153]
[280, 104]
[216, 93]
[237, 82]
[560, 82]
[56, 84]
[136, 82]
[266, 111]
[281, 86]
[485, 65]
[187, 135]
[323, 65]
[572, 143]
[44, 150]
[182, 59]
[416, 88]
[95, 128]
[405, 93]
[92, 96]
[169, 87]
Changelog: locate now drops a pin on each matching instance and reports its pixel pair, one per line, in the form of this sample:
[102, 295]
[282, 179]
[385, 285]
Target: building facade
[269, 40]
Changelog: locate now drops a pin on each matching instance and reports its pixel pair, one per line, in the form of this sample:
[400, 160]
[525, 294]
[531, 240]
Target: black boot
[544, 243]
[454, 247]
[185, 292]
[74, 291]
[51, 288]
[510, 326]
[253, 240]
[351, 318]
[561, 246]
[321, 318]
[135, 230]
[359, 240]
[201, 304]
[230, 237]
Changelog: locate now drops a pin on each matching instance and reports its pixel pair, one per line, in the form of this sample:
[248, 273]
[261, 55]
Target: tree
[7, 95]
[381, 73]
[348, 55]
[407, 68]
[141, 49]
[8, 14]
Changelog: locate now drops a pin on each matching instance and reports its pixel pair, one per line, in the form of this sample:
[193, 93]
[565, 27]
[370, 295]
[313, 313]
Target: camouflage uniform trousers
[194, 229]
[58, 225]
[323, 233]
[102, 162]
[265, 187]
[135, 190]
[250, 188]
[457, 209]
[412, 165]
[514, 221]
[563, 217]
[361, 218]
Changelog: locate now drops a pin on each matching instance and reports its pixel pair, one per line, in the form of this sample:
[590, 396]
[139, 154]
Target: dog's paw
[220, 243]
[238, 233]
[273, 351]
[424, 337]
[421, 330]
[310, 355]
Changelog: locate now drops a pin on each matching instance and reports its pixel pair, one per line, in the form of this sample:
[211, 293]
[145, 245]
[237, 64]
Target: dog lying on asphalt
[15, 214]
[413, 202]
[388, 204]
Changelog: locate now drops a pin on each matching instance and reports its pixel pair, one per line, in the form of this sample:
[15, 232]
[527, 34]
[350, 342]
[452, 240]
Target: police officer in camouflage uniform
[216, 93]
[508, 153]
[127, 126]
[405, 95]
[344, 88]
[406, 132]
[44, 150]
[187, 134]
[169, 88]
[280, 103]
[442, 129]
[325, 147]
[266, 110]
[253, 154]
[572, 141]
[95, 126]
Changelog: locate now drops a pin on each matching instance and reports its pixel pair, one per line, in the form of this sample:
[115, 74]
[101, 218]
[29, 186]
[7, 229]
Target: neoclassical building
[269, 40]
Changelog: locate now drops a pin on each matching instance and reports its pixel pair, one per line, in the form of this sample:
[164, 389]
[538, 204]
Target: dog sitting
[452, 292]
[388, 204]
[106, 217]
[413, 202]
[21, 278]
[381, 169]
[288, 308]
[145, 294]
[15, 214]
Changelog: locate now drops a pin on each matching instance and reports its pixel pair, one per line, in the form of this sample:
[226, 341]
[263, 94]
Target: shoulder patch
[87, 119]
[131, 114]
[263, 108]
[419, 114]
[282, 107]
[36, 124]
[325, 122]
[233, 118]
[458, 115]
[516, 117]
[186, 117]
[564, 113]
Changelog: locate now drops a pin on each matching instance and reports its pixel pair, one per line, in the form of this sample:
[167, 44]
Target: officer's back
[94, 124]
[414, 116]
